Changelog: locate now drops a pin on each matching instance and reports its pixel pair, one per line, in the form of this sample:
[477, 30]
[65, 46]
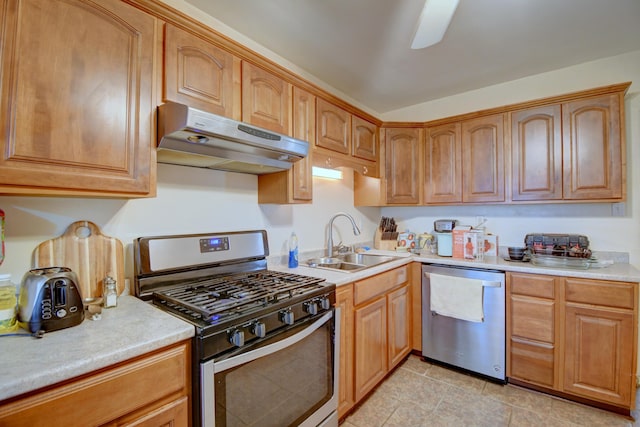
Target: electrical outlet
[618, 209]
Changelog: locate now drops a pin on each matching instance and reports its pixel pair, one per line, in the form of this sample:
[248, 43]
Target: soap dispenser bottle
[293, 250]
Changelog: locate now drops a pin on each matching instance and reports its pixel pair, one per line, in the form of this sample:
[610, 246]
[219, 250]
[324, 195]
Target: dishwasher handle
[485, 283]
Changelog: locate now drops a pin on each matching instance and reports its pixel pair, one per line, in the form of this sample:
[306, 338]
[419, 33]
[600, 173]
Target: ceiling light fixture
[434, 20]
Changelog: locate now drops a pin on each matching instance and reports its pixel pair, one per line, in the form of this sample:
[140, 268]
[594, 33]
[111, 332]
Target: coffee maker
[443, 230]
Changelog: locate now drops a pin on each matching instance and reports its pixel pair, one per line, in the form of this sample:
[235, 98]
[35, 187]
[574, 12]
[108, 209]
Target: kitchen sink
[349, 262]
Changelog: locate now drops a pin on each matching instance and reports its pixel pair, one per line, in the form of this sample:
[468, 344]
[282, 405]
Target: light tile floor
[420, 394]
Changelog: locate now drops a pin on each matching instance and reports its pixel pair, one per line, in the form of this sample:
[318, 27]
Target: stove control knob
[259, 329]
[286, 317]
[237, 338]
[325, 303]
[311, 307]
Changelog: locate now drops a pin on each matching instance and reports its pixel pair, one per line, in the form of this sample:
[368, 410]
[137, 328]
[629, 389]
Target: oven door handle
[240, 359]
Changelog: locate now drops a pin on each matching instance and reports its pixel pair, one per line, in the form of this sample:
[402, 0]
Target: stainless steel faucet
[356, 231]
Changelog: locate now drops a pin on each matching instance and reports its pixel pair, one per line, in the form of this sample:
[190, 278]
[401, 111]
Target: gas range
[220, 283]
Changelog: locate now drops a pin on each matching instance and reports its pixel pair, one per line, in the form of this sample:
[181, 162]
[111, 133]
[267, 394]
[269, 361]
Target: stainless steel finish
[325, 415]
[350, 262]
[477, 347]
[356, 230]
[444, 225]
[191, 137]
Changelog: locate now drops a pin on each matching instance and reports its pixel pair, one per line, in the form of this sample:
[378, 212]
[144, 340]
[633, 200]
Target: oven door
[289, 379]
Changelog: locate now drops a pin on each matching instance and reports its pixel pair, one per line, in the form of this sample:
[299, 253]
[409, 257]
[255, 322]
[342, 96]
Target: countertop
[620, 272]
[129, 330]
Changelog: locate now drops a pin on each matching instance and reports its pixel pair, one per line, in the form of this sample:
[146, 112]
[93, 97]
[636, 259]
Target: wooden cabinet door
[599, 360]
[371, 355]
[483, 159]
[364, 138]
[399, 325]
[593, 148]
[77, 106]
[294, 185]
[200, 74]
[266, 99]
[402, 149]
[174, 414]
[333, 127]
[443, 164]
[536, 153]
[344, 301]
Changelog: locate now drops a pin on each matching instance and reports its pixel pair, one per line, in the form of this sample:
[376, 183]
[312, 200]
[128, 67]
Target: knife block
[379, 243]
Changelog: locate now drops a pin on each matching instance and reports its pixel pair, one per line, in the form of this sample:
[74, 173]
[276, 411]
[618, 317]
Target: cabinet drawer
[532, 362]
[532, 318]
[610, 294]
[109, 394]
[378, 285]
[535, 286]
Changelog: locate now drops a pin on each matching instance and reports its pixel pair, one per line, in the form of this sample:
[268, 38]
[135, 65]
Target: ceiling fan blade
[433, 22]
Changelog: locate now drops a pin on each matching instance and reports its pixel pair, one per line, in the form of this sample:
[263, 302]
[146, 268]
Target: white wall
[511, 223]
[189, 200]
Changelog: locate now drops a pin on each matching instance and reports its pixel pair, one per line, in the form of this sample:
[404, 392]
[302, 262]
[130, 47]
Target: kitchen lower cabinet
[152, 390]
[577, 337]
[382, 319]
[344, 301]
[77, 110]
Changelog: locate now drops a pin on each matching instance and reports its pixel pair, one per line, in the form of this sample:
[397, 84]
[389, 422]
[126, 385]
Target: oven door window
[279, 389]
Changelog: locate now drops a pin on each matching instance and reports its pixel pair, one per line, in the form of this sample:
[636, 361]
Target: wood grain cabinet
[443, 164]
[200, 74]
[345, 140]
[593, 148]
[402, 165]
[483, 159]
[574, 336]
[266, 99]
[151, 390]
[77, 110]
[344, 301]
[569, 151]
[382, 318]
[296, 184]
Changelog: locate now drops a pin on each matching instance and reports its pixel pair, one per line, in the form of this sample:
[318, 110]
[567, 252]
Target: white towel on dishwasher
[457, 297]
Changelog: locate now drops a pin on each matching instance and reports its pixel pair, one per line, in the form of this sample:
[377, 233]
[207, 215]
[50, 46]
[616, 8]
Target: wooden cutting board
[86, 251]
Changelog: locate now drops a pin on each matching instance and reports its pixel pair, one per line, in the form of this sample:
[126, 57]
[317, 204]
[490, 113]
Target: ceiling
[362, 47]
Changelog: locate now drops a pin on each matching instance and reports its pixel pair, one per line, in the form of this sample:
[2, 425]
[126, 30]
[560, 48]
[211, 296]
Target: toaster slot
[60, 293]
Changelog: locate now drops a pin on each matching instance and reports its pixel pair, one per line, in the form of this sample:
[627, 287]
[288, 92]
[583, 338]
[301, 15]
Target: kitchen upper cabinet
[483, 159]
[574, 336]
[334, 127]
[77, 109]
[296, 184]
[402, 165]
[364, 136]
[536, 153]
[443, 164]
[593, 148]
[151, 390]
[266, 99]
[200, 74]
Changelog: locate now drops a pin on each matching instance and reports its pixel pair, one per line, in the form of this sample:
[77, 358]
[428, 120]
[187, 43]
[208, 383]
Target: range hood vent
[191, 137]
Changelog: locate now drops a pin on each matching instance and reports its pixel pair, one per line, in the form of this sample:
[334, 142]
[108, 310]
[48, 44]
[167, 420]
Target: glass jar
[8, 304]
[109, 292]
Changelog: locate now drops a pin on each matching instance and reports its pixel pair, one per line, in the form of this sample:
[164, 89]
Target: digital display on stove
[214, 244]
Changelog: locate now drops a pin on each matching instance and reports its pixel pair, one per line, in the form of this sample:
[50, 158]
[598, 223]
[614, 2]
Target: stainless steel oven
[265, 352]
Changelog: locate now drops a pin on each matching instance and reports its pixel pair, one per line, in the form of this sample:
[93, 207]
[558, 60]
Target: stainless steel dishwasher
[474, 346]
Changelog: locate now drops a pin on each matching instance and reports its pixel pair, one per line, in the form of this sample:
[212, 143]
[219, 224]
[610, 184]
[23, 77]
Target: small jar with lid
[109, 292]
[8, 304]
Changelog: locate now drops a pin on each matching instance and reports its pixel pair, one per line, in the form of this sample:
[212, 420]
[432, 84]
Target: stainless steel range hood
[191, 137]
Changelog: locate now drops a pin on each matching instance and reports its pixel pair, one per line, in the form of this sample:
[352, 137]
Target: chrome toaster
[49, 300]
